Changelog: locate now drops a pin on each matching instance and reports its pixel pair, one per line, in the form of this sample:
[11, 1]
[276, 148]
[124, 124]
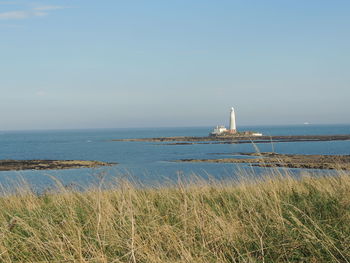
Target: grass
[275, 219]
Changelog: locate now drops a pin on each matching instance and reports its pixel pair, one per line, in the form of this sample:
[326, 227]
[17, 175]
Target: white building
[219, 130]
[232, 121]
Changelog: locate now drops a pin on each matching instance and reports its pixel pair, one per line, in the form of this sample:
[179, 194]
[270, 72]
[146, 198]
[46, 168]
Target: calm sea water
[146, 162]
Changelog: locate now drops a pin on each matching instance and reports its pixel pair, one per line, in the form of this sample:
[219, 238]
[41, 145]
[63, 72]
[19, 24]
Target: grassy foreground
[277, 219]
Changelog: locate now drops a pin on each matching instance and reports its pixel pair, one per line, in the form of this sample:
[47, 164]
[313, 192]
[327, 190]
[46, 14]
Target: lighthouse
[221, 131]
[232, 121]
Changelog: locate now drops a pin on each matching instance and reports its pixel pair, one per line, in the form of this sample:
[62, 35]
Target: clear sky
[151, 63]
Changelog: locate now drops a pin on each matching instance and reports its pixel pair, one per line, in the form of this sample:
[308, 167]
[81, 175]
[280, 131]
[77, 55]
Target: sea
[148, 163]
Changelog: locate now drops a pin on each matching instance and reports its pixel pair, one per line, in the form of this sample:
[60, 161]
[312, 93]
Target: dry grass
[276, 219]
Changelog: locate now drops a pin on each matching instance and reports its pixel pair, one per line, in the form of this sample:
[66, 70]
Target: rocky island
[339, 162]
[238, 138]
[17, 165]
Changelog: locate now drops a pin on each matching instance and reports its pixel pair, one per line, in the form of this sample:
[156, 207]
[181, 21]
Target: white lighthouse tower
[232, 121]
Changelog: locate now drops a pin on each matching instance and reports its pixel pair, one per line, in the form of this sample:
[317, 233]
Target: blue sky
[111, 64]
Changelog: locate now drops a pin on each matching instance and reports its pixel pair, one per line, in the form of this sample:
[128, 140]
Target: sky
[67, 64]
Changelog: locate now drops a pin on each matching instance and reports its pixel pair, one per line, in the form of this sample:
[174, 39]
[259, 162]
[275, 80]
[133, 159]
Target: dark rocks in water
[235, 139]
[17, 165]
[338, 162]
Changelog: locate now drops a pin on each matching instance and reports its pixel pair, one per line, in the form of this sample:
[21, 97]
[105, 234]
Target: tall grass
[275, 219]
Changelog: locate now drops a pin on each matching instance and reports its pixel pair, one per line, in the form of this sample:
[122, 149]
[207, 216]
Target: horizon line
[169, 127]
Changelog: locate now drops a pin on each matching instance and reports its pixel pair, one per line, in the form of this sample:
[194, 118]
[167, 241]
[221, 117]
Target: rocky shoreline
[338, 162]
[185, 140]
[18, 165]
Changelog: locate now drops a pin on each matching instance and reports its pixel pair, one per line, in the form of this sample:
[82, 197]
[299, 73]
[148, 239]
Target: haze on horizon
[114, 64]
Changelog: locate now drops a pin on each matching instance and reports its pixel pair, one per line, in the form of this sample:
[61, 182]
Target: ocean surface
[147, 162]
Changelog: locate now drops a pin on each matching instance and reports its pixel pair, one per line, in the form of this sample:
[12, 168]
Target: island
[238, 138]
[268, 159]
[18, 165]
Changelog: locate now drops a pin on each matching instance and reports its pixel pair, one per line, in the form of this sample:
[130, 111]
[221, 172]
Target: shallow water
[146, 161]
